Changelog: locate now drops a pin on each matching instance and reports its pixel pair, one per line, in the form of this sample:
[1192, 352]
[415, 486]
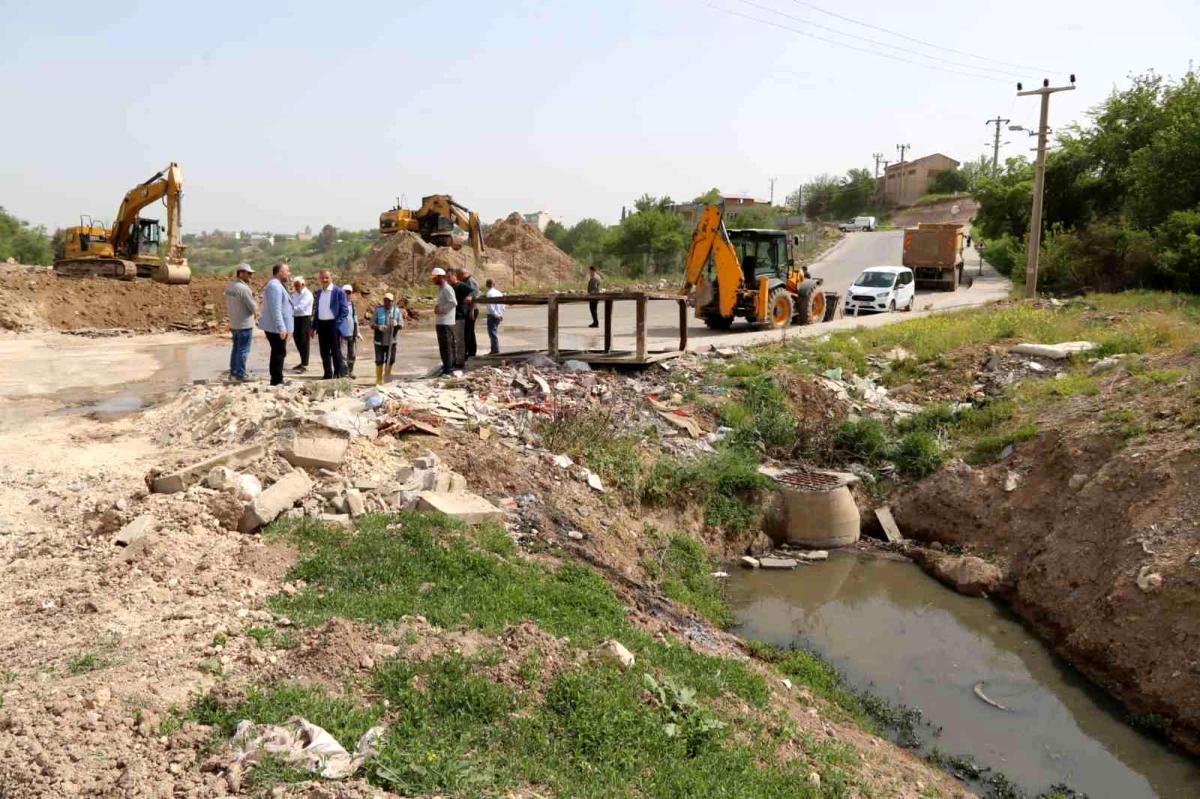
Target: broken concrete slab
[283, 494]
[891, 531]
[458, 483]
[179, 480]
[594, 482]
[777, 563]
[466, 507]
[425, 461]
[336, 520]
[1057, 352]
[355, 503]
[750, 562]
[813, 555]
[615, 652]
[315, 450]
[134, 531]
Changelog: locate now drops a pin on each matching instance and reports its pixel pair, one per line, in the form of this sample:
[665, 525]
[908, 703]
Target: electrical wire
[878, 43]
[835, 42]
[915, 40]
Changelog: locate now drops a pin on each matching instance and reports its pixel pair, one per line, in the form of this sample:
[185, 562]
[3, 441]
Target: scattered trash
[979, 693]
[1149, 580]
[302, 744]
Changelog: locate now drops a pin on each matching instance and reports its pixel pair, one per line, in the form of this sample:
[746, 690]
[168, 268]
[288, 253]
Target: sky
[283, 115]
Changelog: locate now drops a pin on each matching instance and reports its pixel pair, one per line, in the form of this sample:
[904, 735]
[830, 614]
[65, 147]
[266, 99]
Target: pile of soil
[1100, 541]
[404, 260]
[535, 258]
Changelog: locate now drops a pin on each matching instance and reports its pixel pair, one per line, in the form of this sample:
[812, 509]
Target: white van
[858, 223]
[881, 288]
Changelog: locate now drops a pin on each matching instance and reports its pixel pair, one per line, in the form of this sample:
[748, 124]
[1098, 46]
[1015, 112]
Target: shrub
[865, 439]
[919, 454]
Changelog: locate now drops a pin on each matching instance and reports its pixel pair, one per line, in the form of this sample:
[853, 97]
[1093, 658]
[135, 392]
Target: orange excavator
[133, 246]
[750, 273]
[435, 221]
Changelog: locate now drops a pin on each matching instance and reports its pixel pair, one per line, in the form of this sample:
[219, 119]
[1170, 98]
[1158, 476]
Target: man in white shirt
[302, 310]
[495, 315]
[443, 309]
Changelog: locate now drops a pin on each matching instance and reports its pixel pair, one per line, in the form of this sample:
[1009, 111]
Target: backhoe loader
[435, 221]
[132, 247]
[750, 273]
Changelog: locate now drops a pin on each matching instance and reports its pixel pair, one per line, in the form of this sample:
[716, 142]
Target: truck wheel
[953, 284]
[780, 308]
[967, 280]
[810, 304]
[718, 322]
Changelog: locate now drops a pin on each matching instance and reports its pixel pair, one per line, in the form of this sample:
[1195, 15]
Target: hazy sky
[283, 115]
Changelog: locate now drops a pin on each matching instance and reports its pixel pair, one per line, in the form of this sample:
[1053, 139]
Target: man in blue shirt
[276, 320]
[332, 312]
[387, 321]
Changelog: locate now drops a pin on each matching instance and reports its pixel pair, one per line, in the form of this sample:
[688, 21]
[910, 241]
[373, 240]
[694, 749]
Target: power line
[890, 32]
[878, 43]
[835, 42]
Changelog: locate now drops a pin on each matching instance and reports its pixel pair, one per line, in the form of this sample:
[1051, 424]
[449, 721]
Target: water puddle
[889, 627]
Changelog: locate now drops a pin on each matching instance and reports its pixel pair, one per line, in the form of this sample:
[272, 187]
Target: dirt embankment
[1101, 541]
[959, 210]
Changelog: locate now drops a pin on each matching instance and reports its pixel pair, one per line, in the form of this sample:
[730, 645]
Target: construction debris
[297, 743]
[178, 481]
[469, 508]
[890, 530]
[285, 493]
[134, 531]
[314, 451]
[1057, 352]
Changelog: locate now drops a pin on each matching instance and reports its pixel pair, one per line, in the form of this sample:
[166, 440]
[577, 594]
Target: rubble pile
[537, 258]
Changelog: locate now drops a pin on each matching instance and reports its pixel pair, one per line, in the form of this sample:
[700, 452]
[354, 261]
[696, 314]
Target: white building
[540, 219]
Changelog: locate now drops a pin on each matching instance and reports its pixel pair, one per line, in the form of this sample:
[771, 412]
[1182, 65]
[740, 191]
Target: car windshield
[876, 280]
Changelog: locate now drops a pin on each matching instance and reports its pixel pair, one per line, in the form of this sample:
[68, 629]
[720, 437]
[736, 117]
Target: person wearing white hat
[302, 314]
[239, 301]
[388, 321]
[349, 332]
[443, 310]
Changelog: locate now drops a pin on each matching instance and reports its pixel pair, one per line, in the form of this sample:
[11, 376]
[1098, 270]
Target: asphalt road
[524, 328]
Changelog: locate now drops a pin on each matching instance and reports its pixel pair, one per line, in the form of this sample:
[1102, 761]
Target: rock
[1076, 482]
[577, 366]
[222, 478]
[777, 563]
[1010, 481]
[968, 574]
[616, 652]
[1057, 352]
[134, 531]
[429, 461]
[458, 483]
[563, 461]
[761, 545]
[1007, 452]
[813, 555]
[315, 450]
[178, 481]
[405, 473]
[283, 494]
[466, 507]
[249, 486]
[1149, 580]
[594, 481]
[575, 535]
[336, 520]
[749, 562]
[355, 504]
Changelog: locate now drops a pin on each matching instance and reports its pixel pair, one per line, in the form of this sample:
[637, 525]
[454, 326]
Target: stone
[615, 652]
[1057, 352]
[355, 504]
[458, 483]
[777, 563]
[749, 562]
[283, 494]
[315, 450]
[1149, 580]
[575, 535]
[1011, 480]
[563, 461]
[222, 478]
[466, 507]
[577, 366]
[179, 480]
[761, 545]
[134, 531]
[1076, 482]
[405, 473]
[968, 574]
[426, 480]
[249, 486]
[594, 481]
[1105, 364]
[337, 520]
[429, 461]
[813, 555]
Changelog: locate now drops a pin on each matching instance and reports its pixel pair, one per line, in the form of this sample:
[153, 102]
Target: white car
[881, 288]
[858, 223]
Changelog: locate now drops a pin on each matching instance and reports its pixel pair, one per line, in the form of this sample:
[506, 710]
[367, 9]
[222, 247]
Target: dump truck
[751, 273]
[934, 251]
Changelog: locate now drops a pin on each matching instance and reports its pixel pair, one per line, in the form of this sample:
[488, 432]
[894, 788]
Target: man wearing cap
[276, 320]
[239, 301]
[443, 309]
[387, 321]
[332, 322]
[302, 309]
[349, 331]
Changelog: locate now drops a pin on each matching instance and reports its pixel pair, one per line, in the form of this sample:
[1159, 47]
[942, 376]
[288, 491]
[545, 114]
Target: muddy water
[888, 626]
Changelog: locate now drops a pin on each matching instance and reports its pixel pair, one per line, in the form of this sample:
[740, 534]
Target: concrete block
[315, 450]
[280, 496]
[135, 530]
[405, 473]
[1058, 352]
[441, 483]
[469, 508]
[749, 562]
[429, 461]
[777, 563]
[178, 481]
[458, 483]
[888, 522]
[222, 478]
[426, 479]
[355, 503]
[336, 520]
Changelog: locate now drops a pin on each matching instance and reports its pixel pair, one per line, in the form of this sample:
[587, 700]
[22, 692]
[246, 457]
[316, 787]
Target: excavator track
[97, 267]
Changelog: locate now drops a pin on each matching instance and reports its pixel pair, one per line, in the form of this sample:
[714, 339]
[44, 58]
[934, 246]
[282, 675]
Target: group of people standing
[328, 315]
[456, 310]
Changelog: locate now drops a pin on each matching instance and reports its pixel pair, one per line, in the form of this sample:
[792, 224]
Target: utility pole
[772, 200]
[878, 157]
[1039, 181]
[996, 145]
[903, 148]
[883, 186]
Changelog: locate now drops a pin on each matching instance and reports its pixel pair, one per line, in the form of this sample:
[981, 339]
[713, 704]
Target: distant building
[306, 235]
[904, 184]
[690, 212]
[540, 219]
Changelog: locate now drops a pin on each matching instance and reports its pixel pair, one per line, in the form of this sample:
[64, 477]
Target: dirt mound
[534, 257]
[959, 210]
[404, 260]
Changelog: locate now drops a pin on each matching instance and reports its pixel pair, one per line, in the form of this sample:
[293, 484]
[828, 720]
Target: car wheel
[892, 306]
[911, 300]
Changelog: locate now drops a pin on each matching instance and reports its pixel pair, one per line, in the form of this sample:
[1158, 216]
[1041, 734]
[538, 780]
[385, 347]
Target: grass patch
[686, 577]
[1122, 422]
[988, 448]
[591, 438]
[863, 439]
[84, 662]
[918, 454]
[727, 482]
[762, 418]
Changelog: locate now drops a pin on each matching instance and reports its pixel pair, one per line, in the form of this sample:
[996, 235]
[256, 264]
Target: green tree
[652, 237]
[325, 240]
[853, 193]
[975, 172]
[557, 232]
[754, 218]
[710, 197]
[25, 244]
[1177, 241]
[1164, 175]
[586, 240]
[948, 181]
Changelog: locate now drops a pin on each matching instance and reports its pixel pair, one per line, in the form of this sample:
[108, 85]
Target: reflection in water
[885, 623]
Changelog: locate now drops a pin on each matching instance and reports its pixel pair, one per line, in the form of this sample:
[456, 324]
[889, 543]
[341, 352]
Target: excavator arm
[469, 221]
[711, 238]
[167, 183]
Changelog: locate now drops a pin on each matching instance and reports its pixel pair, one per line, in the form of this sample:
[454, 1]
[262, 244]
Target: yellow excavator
[133, 247]
[751, 273]
[435, 221]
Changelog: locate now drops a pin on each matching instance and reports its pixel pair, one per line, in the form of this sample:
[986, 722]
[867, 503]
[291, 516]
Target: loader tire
[718, 322]
[780, 307]
[810, 304]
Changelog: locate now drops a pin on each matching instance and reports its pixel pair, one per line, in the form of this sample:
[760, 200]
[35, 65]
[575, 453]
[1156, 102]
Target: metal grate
[811, 481]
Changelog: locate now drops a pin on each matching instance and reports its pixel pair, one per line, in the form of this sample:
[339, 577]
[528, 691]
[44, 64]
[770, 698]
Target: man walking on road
[495, 315]
[444, 309]
[388, 321]
[593, 287]
[302, 309]
[239, 301]
[276, 319]
[349, 331]
[332, 313]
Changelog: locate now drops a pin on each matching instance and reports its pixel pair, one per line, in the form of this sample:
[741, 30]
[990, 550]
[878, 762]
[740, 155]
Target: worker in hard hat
[387, 321]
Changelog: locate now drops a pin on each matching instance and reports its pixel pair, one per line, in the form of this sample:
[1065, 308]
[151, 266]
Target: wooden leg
[641, 328]
[608, 308]
[683, 322]
[552, 327]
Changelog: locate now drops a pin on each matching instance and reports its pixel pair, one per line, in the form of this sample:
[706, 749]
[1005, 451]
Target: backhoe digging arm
[711, 238]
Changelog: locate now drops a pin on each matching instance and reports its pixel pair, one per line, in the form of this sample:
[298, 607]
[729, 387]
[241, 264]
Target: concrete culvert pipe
[812, 509]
